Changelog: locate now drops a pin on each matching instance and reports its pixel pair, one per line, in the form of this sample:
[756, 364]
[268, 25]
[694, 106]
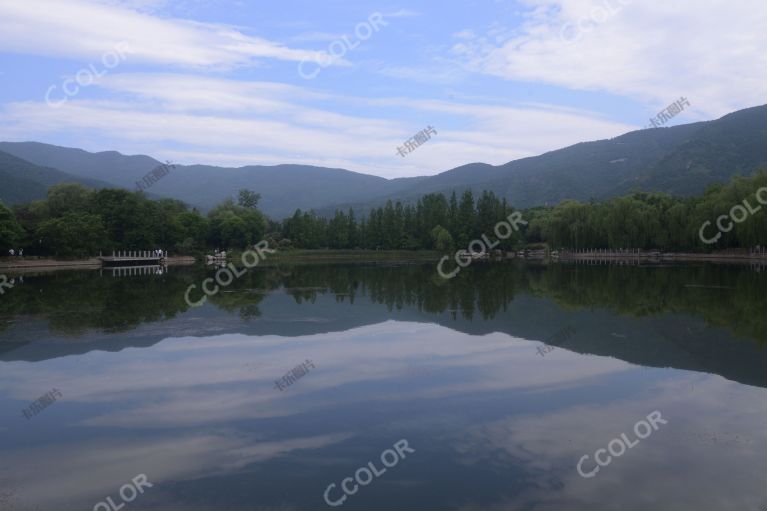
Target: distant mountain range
[22, 181]
[682, 160]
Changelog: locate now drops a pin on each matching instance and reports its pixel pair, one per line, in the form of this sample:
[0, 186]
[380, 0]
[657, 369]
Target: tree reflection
[75, 302]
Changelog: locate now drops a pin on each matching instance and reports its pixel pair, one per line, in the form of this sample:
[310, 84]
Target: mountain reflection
[187, 395]
[201, 417]
[691, 317]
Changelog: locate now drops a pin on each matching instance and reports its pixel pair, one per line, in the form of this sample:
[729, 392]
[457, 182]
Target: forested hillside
[682, 160]
[76, 221]
[21, 181]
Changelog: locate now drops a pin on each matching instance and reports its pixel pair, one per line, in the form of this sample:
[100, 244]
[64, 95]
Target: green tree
[235, 226]
[73, 234]
[443, 241]
[10, 230]
[67, 198]
[248, 199]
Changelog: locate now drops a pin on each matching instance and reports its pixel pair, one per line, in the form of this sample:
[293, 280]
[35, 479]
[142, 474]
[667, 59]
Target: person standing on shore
[12, 252]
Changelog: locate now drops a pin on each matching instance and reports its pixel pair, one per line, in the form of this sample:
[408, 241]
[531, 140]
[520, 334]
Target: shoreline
[19, 264]
[22, 264]
[655, 256]
[321, 256]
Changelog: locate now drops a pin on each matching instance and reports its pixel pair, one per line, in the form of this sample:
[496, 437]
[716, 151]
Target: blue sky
[235, 82]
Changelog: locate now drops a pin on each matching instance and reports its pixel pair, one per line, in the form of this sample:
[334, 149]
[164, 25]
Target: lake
[514, 386]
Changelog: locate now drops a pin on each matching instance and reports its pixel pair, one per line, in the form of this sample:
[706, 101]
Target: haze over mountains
[681, 160]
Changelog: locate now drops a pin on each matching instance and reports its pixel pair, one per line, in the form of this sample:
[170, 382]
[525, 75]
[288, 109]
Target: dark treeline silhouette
[76, 221]
[691, 317]
[658, 221]
[433, 223]
[74, 303]
[641, 221]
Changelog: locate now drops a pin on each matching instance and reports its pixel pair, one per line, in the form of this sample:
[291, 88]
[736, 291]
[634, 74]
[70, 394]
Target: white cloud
[79, 474]
[710, 51]
[316, 36]
[402, 13]
[85, 29]
[552, 443]
[270, 123]
[138, 5]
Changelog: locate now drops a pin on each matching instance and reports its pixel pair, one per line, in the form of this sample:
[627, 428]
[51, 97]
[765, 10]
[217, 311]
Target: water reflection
[494, 424]
[688, 317]
[188, 397]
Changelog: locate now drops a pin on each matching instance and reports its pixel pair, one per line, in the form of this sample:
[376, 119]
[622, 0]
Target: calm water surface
[500, 381]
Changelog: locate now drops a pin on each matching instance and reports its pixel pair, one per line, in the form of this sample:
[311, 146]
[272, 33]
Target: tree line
[640, 220]
[76, 221]
[659, 221]
[432, 223]
[480, 291]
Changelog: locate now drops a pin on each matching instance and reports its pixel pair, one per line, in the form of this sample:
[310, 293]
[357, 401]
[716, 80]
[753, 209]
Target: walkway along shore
[734, 256]
[21, 264]
[29, 263]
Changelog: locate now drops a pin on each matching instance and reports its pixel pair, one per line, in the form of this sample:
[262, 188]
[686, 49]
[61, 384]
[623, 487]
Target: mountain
[109, 166]
[735, 144]
[283, 188]
[681, 330]
[681, 160]
[22, 181]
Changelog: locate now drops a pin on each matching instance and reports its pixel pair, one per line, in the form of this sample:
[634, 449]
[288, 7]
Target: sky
[345, 84]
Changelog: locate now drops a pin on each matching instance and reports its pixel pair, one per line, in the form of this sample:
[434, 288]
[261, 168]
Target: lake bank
[21, 264]
[324, 256]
